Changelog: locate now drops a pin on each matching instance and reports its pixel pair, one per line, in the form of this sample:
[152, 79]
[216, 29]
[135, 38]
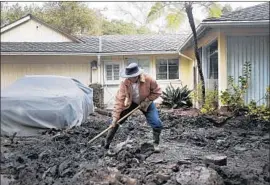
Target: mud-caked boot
[156, 138]
[106, 143]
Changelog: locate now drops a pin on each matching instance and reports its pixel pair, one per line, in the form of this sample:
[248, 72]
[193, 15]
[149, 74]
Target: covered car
[37, 102]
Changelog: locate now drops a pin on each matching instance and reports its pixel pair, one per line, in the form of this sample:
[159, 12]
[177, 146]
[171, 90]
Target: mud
[63, 156]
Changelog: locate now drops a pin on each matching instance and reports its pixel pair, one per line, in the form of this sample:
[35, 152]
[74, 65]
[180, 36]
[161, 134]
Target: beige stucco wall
[32, 31]
[14, 67]
[185, 74]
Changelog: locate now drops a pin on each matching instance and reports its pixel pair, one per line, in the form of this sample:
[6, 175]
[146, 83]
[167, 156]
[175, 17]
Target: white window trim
[140, 58]
[111, 82]
[166, 80]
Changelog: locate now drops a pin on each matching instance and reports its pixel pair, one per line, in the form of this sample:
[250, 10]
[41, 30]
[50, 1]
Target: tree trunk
[188, 8]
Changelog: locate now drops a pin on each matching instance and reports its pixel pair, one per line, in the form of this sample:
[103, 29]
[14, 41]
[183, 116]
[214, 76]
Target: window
[142, 63]
[112, 71]
[212, 53]
[167, 69]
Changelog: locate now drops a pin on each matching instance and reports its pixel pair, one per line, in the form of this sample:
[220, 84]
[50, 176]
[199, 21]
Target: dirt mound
[63, 156]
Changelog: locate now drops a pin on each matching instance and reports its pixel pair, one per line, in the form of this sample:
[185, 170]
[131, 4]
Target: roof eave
[214, 24]
[91, 54]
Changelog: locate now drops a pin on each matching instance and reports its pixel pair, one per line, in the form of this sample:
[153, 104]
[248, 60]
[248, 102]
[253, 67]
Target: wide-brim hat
[132, 70]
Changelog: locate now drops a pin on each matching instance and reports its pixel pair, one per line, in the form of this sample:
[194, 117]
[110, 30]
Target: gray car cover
[34, 103]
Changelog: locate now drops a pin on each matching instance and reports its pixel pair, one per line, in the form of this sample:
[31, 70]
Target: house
[30, 46]
[226, 43]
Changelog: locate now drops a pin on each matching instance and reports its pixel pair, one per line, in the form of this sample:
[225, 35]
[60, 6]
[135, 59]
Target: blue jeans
[151, 115]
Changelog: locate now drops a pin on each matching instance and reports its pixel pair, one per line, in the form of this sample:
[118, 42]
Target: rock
[216, 159]
[20, 159]
[121, 166]
[33, 156]
[145, 147]
[155, 159]
[174, 167]
[199, 175]
[163, 178]
[64, 165]
[120, 146]
[240, 149]
[181, 162]
[53, 170]
[45, 154]
[128, 181]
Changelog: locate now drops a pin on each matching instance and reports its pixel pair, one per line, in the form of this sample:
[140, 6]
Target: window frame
[167, 65]
[148, 59]
[113, 81]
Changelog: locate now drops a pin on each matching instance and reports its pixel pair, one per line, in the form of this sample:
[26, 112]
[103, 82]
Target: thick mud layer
[64, 157]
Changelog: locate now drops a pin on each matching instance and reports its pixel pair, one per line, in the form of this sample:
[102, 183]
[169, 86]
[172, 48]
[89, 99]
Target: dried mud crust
[63, 156]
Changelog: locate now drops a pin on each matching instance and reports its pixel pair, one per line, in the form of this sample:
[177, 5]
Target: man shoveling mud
[137, 89]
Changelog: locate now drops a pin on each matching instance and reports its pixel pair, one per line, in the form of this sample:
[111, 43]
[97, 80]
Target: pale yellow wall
[222, 63]
[14, 67]
[33, 31]
[186, 72]
[205, 40]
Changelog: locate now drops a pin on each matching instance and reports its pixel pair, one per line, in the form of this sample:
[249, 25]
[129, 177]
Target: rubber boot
[156, 138]
[110, 136]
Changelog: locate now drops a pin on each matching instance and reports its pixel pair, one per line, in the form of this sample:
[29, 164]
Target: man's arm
[155, 90]
[119, 102]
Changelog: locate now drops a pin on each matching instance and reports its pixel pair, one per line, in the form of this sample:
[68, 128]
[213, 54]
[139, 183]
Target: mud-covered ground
[63, 157]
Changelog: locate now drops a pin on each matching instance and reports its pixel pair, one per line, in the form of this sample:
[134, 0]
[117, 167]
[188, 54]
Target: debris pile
[193, 151]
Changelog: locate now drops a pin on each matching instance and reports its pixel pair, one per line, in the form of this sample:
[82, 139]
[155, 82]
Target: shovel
[103, 132]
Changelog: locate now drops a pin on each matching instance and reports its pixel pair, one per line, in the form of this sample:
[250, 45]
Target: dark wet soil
[63, 156]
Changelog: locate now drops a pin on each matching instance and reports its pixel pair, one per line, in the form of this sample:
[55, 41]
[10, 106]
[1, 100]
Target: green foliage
[157, 10]
[71, 17]
[176, 97]
[211, 102]
[233, 97]
[211, 99]
[115, 27]
[215, 10]
[174, 19]
[261, 112]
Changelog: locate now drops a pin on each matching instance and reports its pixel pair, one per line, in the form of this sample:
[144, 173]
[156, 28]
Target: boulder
[219, 160]
[199, 175]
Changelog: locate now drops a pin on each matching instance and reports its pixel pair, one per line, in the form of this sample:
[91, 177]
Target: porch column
[222, 64]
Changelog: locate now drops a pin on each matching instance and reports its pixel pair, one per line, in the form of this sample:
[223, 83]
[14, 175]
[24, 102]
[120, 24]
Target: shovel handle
[104, 131]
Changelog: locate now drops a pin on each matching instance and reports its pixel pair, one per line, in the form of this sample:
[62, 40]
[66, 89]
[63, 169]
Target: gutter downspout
[99, 61]
[185, 56]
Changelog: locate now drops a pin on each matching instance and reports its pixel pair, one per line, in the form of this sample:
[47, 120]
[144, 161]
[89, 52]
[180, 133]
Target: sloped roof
[252, 16]
[102, 44]
[254, 13]
[133, 43]
[53, 47]
[95, 44]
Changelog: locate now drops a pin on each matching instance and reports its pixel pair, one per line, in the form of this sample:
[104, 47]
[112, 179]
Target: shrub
[176, 97]
[233, 97]
[211, 102]
[211, 99]
[261, 112]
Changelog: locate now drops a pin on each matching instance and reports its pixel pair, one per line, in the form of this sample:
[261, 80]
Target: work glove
[145, 104]
[114, 123]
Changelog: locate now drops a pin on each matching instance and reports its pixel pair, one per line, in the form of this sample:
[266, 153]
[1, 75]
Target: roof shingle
[254, 13]
[109, 44]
